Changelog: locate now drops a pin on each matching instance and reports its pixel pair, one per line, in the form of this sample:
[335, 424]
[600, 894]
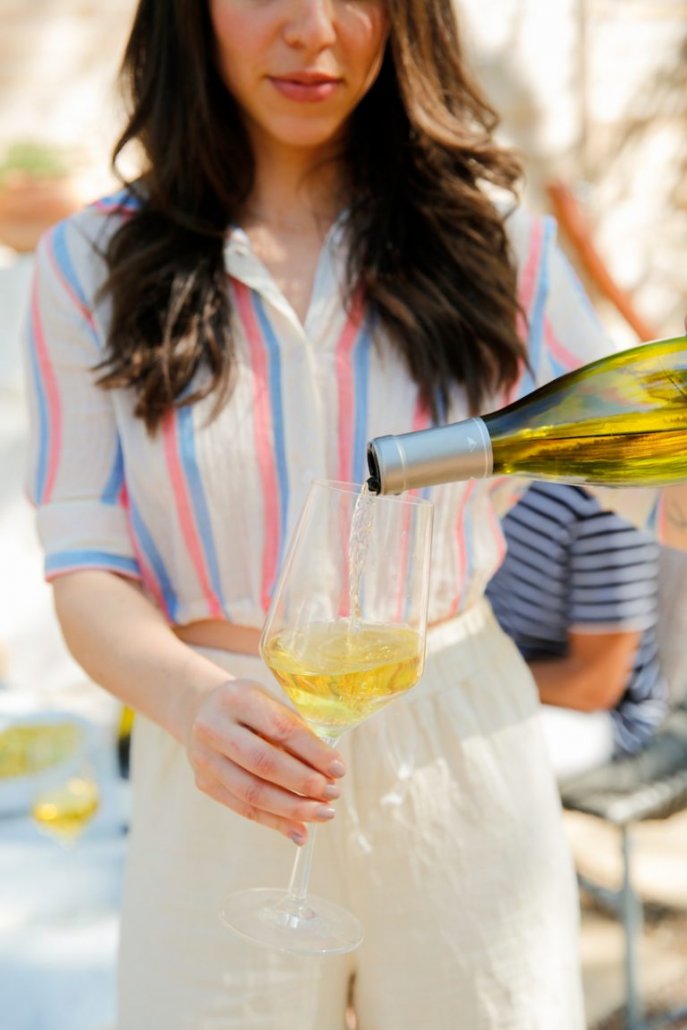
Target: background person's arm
[247, 750]
[592, 675]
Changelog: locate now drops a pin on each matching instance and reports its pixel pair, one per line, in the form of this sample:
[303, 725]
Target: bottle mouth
[374, 482]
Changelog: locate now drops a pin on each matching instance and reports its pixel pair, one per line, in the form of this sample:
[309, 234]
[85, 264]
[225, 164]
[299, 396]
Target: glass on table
[66, 794]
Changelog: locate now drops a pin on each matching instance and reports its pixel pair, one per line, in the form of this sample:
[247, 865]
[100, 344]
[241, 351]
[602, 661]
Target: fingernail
[325, 812]
[297, 838]
[337, 768]
[331, 792]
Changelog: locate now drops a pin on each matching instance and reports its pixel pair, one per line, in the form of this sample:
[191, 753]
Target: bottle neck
[443, 454]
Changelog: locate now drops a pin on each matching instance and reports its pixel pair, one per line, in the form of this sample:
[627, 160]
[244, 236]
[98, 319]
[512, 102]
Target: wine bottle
[618, 421]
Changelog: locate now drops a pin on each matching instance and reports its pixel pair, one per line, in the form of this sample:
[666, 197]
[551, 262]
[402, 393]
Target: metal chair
[649, 785]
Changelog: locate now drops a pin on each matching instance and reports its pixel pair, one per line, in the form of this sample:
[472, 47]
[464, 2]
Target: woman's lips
[309, 90]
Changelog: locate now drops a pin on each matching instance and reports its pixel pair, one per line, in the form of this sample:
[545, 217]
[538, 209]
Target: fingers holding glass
[257, 757]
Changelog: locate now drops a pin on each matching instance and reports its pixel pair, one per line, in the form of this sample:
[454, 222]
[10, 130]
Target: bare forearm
[124, 644]
[564, 682]
[587, 682]
[592, 675]
[247, 750]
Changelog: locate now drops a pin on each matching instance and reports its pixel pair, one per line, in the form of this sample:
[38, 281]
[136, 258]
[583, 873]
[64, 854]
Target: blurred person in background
[578, 593]
[324, 246]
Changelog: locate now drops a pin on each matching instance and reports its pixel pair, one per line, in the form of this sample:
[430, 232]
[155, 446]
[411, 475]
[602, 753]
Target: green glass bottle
[618, 421]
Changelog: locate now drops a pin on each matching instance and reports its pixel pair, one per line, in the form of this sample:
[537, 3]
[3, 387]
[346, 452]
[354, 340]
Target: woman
[313, 256]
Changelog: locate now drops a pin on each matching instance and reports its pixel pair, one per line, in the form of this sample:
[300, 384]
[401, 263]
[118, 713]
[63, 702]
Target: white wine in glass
[338, 673]
[344, 636]
[66, 795]
[64, 809]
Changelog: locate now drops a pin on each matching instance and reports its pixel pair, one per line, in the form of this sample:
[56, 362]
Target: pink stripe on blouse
[185, 512]
[422, 419]
[558, 351]
[527, 286]
[52, 399]
[531, 269]
[462, 554]
[264, 436]
[148, 577]
[346, 387]
[67, 286]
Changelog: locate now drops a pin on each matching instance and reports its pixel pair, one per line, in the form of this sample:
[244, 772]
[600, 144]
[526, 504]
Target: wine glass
[344, 636]
[66, 796]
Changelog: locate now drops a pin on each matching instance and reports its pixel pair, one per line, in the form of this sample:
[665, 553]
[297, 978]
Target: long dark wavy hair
[426, 243]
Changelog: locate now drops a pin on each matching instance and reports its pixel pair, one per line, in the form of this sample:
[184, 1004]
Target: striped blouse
[201, 512]
[572, 566]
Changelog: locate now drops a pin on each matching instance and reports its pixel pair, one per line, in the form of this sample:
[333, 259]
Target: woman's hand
[247, 750]
[257, 757]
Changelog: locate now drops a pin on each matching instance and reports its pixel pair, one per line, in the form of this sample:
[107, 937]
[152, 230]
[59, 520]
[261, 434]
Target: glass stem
[300, 874]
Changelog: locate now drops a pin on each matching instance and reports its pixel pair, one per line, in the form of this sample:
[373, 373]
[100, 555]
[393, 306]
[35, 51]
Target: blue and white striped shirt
[571, 565]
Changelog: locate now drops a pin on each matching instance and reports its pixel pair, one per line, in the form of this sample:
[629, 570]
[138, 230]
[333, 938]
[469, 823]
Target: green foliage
[32, 160]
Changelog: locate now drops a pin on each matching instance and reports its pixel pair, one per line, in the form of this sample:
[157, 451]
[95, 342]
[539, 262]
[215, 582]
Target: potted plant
[36, 190]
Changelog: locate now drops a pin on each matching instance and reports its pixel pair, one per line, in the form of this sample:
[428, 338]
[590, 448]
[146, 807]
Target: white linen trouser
[448, 845]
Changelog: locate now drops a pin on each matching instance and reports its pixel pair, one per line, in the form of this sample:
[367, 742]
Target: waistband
[463, 626]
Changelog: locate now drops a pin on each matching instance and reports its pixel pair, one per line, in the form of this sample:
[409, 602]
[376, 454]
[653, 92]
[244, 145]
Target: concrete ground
[659, 859]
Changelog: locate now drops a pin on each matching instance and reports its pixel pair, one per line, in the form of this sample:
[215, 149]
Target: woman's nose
[310, 24]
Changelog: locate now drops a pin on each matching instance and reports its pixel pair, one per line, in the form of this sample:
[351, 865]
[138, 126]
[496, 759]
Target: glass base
[276, 919]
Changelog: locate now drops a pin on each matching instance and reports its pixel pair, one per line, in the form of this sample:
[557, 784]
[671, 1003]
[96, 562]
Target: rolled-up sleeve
[76, 476]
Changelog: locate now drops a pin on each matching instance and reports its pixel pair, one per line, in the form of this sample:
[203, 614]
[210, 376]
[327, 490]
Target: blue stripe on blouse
[361, 372]
[538, 309]
[275, 387]
[63, 560]
[187, 452]
[43, 422]
[152, 556]
[115, 480]
[58, 241]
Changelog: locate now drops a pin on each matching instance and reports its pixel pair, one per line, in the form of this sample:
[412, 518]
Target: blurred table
[59, 915]
[59, 909]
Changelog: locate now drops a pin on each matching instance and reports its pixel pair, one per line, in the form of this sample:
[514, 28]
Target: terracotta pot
[29, 206]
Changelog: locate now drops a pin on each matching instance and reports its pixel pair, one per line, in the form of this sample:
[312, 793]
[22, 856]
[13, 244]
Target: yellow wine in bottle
[339, 673]
[618, 421]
